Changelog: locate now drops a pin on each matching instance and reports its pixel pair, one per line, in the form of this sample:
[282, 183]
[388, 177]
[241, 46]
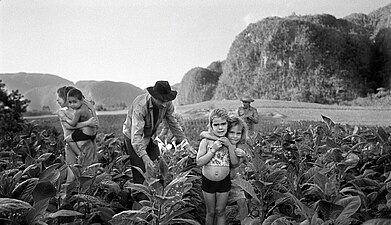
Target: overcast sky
[137, 41]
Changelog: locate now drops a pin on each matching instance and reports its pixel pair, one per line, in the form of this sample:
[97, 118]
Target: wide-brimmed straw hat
[162, 91]
[246, 99]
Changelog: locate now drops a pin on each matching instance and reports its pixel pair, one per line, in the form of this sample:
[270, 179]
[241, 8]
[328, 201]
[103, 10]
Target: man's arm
[137, 132]
[254, 117]
[173, 123]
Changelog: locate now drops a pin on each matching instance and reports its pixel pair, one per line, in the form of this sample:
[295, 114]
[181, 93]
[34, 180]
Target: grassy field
[283, 111]
[273, 114]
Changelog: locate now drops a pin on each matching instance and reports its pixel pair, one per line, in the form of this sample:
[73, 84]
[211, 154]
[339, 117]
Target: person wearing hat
[143, 118]
[248, 113]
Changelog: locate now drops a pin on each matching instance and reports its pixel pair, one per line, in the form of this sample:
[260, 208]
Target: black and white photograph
[203, 112]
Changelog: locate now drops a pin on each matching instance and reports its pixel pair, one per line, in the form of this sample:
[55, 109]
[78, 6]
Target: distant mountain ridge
[41, 89]
[306, 58]
[309, 58]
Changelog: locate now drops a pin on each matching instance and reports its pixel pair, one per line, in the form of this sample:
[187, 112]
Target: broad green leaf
[246, 186]
[276, 176]
[351, 205]
[129, 216]
[181, 178]
[105, 213]
[25, 189]
[31, 170]
[88, 198]
[330, 124]
[163, 168]
[328, 209]
[304, 210]
[94, 165]
[50, 174]
[43, 190]
[351, 190]
[86, 182]
[320, 180]
[11, 204]
[65, 213]
[183, 221]
[365, 183]
[171, 215]
[111, 186]
[140, 188]
[39, 208]
[382, 134]
[270, 219]
[47, 159]
[101, 177]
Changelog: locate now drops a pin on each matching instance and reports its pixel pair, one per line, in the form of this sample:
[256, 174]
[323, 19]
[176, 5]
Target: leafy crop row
[324, 173]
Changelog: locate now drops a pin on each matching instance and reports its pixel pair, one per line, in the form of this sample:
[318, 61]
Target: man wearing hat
[248, 113]
[143, 118]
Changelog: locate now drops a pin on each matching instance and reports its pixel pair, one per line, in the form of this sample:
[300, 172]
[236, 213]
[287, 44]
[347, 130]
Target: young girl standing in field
[215, 157]
[237, 135]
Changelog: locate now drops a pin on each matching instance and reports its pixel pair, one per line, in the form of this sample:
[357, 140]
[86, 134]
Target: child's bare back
[86, 114]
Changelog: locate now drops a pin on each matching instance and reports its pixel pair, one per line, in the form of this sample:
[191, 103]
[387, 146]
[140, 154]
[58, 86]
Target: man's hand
[189, 149]
[148, 162]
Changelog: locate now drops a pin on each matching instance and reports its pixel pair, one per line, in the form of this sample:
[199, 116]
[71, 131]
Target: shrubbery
[12, 105]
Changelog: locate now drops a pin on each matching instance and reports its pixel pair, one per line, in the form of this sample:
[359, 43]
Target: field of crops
[319, 171]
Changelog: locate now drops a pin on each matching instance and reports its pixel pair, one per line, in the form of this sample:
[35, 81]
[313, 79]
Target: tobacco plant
[166, 187]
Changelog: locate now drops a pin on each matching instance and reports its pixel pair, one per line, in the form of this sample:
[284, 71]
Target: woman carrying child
[82, 113]
[216, 157]
[87, 147]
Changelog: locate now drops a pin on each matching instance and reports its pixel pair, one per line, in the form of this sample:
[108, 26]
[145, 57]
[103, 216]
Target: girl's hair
[237, 121]
[217, 113]
[62, 92]
[76, 93]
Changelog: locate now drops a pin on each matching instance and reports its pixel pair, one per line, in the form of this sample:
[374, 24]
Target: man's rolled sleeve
[127, 125]
[137, 134]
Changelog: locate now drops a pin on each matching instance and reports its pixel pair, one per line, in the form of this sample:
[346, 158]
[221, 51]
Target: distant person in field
[248, 113]
[87, 148]
[143, 118]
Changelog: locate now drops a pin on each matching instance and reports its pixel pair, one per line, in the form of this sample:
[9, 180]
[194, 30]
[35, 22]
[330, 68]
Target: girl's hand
[93, 122]
[217, 145]
[225, 141]
[240, 152]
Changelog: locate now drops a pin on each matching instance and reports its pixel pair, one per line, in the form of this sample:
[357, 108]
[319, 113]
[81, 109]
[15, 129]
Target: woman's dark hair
[62, 92]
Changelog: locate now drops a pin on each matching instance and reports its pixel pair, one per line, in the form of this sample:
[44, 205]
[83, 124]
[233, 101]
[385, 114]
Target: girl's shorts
[211, 186]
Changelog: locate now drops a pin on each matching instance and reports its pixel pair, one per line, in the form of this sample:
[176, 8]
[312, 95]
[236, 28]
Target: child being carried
[82, 113]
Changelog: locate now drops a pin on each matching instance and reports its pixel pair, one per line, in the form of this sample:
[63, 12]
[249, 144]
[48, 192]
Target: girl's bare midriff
[215, 173]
